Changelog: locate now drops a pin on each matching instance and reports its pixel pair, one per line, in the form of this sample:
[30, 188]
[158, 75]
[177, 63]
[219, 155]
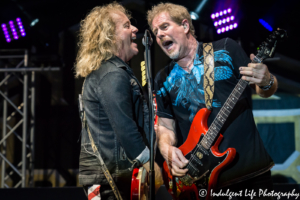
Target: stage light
[224, 20]
[13, 32]
[194, 16]
[34, 22]
[266, 25]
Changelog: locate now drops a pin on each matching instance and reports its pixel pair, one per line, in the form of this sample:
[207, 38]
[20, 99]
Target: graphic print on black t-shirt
[189, 87]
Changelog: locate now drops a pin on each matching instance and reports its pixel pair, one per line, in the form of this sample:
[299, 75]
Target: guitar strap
[95, 150]
[209, 65]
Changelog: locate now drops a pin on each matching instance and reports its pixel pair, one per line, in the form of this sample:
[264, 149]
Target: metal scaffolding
[26, 112]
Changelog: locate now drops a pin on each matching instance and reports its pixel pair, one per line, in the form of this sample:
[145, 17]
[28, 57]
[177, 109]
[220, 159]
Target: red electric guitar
[139, 180]
[201, 146]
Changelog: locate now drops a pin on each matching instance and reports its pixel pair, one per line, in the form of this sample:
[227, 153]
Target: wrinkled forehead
[161, 18]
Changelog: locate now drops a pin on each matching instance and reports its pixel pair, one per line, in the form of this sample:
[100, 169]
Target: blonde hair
[177, 13]
[97, 38]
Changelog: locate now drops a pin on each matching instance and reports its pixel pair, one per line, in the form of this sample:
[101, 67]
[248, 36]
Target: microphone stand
[147, 41]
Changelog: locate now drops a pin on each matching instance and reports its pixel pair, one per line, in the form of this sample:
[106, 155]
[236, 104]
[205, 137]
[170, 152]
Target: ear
[185, 25]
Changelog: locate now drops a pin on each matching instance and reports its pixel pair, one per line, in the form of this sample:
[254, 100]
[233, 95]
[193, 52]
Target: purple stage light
[216, 23]
[8, 40]
[11, 22]
[219, 31]
[225, 12]
[221, 13]
[23, 34]
[227, 28]
[231, 26]
[13, 30]
[227, 19]
[223, 30]
[224, 21]
[16, 37]
[19, 23]
[220, 22]
[22, 30]
[213, 16]
[229, 10]
[3, 25]
[232, 17]
[18, 19]
[235, 25]
[7, 36]
[217, 14]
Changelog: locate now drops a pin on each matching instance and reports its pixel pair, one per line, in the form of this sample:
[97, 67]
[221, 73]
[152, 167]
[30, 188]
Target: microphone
[147, 34]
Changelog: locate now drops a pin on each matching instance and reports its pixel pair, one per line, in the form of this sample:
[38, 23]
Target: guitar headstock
[267, 48]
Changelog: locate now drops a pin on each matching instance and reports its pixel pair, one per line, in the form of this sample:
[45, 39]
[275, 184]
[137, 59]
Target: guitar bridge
[187, 180]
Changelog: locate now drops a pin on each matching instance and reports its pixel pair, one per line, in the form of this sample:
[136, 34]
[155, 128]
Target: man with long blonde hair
[115, 120]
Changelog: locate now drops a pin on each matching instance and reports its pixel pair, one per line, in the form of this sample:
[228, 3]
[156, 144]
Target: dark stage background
[52, 41]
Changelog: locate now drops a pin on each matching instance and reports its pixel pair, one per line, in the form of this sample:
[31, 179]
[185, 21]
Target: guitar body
[139, 184]
[204, 164]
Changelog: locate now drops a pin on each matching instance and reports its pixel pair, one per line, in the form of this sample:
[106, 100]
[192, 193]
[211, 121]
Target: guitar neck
[224, 112]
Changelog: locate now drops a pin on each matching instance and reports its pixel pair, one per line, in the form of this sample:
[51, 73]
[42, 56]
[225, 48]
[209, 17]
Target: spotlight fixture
[13, 30]
[194, 16]
[224, 21]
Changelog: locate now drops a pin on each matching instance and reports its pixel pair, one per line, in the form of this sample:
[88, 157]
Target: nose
[159, 34]
[134, 29]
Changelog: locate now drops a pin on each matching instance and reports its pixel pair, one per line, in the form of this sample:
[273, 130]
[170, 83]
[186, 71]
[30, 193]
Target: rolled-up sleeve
[114, 93]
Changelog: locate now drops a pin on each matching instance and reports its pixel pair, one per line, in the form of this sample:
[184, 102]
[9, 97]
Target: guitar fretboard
[224, 112]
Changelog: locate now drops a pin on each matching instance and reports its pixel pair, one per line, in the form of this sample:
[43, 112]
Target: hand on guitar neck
[258, 74]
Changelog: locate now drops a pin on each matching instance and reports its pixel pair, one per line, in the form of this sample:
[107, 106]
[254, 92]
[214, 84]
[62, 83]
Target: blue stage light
[266, 25]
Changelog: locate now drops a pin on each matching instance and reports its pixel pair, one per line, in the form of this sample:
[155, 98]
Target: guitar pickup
[203, 149]
[197, 160]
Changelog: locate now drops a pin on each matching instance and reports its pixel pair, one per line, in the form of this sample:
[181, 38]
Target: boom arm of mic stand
[147, 42]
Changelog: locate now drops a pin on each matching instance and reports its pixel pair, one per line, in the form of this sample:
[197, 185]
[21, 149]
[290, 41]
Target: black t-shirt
[180, 96]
